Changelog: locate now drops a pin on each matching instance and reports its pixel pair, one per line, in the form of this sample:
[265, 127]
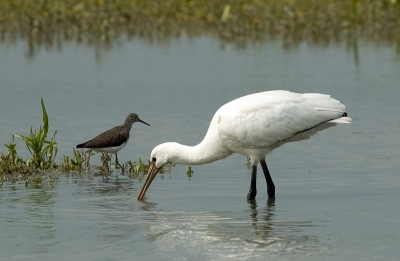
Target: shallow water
[337, 194]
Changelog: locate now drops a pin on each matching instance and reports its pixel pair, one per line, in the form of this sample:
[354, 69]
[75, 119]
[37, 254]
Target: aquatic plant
[12, 152]
[43, 151]
[11, 162]
[75, 163]
[189, 171]
[141, 167]
[105, 163]
[88, 153]
[93, 21]
[136, 168]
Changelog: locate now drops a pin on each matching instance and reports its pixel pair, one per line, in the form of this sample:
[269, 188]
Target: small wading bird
[253, 126]
[114, 139]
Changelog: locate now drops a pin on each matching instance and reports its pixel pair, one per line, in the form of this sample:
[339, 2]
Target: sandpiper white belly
[111, 149]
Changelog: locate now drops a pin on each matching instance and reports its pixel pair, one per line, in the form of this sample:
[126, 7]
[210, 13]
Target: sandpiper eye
[154, 159]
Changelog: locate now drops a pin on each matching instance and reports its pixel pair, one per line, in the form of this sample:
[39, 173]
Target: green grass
[75, 162]
[11, 162]
[101, 20]
[43, 151]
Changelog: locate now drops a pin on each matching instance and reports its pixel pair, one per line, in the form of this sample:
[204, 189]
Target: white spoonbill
[253, 125]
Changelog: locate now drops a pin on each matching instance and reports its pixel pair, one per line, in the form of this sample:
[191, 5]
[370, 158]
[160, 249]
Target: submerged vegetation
[42, 161]
[101, 21]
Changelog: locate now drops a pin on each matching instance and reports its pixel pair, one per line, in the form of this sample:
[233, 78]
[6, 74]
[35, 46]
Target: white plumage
[253, 125]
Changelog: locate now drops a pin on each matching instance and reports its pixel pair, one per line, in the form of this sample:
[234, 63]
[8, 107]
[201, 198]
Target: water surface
[337, 194]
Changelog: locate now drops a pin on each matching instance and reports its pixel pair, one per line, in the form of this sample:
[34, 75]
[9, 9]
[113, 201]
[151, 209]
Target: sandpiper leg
[270, 183]
[116, 161]
[253, 186]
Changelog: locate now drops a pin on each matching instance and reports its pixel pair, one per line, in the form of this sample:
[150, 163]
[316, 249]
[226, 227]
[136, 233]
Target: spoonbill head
[253, 125]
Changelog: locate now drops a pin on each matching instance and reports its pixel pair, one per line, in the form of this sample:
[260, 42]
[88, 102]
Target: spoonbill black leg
[270, 183]
[253, 184]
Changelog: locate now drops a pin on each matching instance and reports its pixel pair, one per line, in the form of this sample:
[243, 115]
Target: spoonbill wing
[263, 119]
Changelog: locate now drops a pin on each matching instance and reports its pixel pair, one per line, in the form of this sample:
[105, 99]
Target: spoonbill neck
[201, 153]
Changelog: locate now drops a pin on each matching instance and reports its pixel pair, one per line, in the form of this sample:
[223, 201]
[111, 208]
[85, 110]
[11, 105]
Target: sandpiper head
[132, 118]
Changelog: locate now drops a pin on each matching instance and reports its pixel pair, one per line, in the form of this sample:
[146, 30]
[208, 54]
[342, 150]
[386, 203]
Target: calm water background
[338, 194]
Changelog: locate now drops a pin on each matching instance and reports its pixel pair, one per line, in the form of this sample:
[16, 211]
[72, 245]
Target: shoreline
[240, 22]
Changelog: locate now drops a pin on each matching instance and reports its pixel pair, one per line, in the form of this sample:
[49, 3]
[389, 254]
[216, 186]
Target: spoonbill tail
[114, 139]
[253, 126]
